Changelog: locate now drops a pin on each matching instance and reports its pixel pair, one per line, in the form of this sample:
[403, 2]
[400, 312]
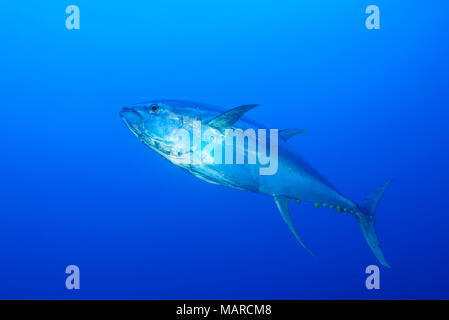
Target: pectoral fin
[282, 204]
[228, 118]
[286, 134]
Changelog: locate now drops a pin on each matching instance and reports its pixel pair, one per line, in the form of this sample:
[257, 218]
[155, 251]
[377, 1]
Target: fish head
[156, 124]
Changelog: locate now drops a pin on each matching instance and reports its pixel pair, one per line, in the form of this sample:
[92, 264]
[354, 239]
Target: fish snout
[130, 115]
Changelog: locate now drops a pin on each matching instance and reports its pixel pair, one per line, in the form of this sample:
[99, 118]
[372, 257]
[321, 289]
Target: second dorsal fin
[286, 134]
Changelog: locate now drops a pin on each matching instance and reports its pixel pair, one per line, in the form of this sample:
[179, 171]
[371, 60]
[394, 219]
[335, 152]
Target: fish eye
[154, 107]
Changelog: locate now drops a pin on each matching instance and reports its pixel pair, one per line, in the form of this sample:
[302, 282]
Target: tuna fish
[167, 127]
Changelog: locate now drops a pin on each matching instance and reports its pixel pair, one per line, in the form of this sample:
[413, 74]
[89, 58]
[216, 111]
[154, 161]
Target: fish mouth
[129, 112]
[132, 118]
[134, 121]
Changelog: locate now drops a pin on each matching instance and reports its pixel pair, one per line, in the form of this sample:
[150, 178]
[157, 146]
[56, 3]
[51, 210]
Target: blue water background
[78, 188]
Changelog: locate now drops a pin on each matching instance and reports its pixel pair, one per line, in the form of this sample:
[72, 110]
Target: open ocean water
[78, 188]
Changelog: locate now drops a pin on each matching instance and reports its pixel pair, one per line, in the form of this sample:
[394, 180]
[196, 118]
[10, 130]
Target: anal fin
[282, 204]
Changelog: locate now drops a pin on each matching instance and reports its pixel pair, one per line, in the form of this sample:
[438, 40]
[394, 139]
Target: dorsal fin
[286, 134]
[228, 118]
